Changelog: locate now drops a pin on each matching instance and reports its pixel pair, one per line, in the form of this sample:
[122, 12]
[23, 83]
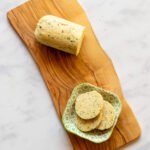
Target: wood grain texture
[62, 71]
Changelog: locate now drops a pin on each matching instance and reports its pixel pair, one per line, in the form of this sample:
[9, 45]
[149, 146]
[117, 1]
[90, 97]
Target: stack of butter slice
[93, 112]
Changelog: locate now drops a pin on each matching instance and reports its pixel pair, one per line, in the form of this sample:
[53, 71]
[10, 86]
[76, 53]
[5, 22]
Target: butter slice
[60, 34]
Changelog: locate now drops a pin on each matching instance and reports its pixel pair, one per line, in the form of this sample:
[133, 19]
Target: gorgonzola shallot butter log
[60, 34]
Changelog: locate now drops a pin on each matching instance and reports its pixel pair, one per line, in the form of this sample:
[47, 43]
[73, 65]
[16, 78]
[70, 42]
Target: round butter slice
[60, 34]
[88, 105]
[108, 116]
[88, 125]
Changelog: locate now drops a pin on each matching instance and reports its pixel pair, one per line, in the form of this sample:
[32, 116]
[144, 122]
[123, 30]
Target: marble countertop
[27, 115]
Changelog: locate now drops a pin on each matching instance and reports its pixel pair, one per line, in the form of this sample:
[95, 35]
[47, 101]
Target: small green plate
[68, 117]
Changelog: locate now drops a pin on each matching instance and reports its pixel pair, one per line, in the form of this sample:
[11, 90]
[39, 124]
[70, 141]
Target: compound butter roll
[60, 34]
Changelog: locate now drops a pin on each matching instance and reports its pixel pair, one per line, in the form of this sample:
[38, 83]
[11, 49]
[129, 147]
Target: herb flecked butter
[60, 34]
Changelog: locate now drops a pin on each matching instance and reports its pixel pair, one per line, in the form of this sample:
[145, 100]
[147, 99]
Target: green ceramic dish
[68, 117]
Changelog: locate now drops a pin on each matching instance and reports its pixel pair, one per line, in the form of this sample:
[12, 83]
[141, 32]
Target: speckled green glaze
[68, 117]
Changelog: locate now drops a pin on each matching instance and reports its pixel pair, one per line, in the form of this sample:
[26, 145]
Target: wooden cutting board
[61, 71]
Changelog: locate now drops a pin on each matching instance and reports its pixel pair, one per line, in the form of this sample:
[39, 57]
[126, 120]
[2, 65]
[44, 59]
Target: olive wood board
[62, 72]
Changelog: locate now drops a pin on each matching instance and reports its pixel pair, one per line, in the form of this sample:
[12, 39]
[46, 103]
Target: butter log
[60, 34]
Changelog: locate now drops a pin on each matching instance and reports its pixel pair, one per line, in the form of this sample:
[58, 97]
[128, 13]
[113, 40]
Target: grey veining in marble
[27, 115]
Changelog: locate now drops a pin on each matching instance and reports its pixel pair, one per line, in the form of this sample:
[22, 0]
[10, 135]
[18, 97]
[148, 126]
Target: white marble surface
[28, 120]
